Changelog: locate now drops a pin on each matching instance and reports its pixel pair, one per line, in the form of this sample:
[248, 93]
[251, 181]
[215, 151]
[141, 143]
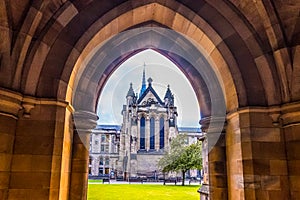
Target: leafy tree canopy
[181, 157]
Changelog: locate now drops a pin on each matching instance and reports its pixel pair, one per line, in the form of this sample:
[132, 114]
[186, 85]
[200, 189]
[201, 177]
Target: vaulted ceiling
[252, 46]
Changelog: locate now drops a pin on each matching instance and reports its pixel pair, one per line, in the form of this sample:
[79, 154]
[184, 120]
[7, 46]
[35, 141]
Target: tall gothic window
[152, 133]
[142, 133]
[161, 133]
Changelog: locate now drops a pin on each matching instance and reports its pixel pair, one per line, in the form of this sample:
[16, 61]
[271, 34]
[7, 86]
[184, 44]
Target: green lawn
[95, 181]
[141, 192]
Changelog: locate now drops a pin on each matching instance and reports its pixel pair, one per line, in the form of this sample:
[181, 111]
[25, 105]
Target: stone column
[204, 189]
[166, 127]
[138, 134]
[256, 157]
[61, 158]
[10, 104]
[84, 122]
[291, 128]
[215, 176]
[39, 165]
[36, 138]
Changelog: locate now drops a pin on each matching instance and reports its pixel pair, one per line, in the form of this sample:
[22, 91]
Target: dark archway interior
[199, 73]
[54, 62]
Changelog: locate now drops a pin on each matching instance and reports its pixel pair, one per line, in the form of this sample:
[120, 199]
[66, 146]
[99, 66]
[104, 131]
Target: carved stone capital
[290, 114]
[85, 121]
[212, 124]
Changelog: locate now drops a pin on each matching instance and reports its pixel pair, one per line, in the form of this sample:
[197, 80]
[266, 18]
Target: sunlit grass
[95, 181]
[141, 192]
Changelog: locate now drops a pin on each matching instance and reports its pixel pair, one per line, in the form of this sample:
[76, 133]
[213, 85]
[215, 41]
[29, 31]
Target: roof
[189, 129]
[108, 127]
[168, 93]
[143, 88]
[150, 89]
[130, 91]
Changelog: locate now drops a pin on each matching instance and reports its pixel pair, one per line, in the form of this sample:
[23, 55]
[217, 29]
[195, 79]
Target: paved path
[149, 183]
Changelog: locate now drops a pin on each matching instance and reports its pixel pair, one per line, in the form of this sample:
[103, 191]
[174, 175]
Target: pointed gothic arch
[142, 133]
[161, 132]
[152, 133]
[251, 48]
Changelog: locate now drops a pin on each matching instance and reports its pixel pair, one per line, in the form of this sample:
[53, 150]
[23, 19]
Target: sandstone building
[104, 150]
[149, 123]
[134, 148]
[241, 57]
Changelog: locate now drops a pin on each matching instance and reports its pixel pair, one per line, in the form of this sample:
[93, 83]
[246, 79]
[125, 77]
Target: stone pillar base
[204, 192]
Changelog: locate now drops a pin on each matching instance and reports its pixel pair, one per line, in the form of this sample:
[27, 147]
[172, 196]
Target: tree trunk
[183, 177]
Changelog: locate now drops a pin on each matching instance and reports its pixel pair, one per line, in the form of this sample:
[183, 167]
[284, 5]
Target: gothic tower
[148, 126]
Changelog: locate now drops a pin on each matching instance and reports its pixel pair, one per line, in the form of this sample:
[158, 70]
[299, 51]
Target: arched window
[152, 133]
[142, 133]
[161, 133]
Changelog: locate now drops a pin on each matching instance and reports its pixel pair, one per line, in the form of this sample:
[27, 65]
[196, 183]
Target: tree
[181, 157]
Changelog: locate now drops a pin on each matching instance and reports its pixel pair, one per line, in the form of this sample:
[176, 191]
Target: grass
[95, 181]
[141, 192]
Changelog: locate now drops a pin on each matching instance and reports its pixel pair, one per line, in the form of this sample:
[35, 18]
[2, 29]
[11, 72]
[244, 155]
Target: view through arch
[126, 147]
[163, 72]
[193, 64]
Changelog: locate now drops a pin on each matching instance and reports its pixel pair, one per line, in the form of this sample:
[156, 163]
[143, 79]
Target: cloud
[163, 72]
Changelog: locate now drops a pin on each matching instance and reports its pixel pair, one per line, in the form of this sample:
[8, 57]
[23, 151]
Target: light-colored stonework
[49, 77]
[134, 148]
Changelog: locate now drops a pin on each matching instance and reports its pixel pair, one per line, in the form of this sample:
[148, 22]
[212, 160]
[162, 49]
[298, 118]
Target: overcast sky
[163, 72]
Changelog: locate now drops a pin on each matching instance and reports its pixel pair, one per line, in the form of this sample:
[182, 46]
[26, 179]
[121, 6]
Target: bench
[119, 178]
[136, 180]
[105, 180]
[170, 180]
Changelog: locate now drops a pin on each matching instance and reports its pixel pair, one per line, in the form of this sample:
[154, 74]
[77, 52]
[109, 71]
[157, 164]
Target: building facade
[104, 150]
[149, 123]
[134, 148]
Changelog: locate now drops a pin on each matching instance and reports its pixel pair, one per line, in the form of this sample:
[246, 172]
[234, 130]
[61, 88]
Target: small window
[107, 161]
[102, 138]
[96, 142]
[102, 148]
[106, 149]
[106, 170]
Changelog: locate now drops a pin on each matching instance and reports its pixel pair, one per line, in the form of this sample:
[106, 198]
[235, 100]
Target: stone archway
[250, 49]
[201, 76]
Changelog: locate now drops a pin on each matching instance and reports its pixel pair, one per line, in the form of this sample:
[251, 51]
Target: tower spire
[143, 81]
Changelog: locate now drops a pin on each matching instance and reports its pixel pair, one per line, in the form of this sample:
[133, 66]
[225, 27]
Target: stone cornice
[285, 114]
[271, 109]
[11, 103]
[85, 121]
